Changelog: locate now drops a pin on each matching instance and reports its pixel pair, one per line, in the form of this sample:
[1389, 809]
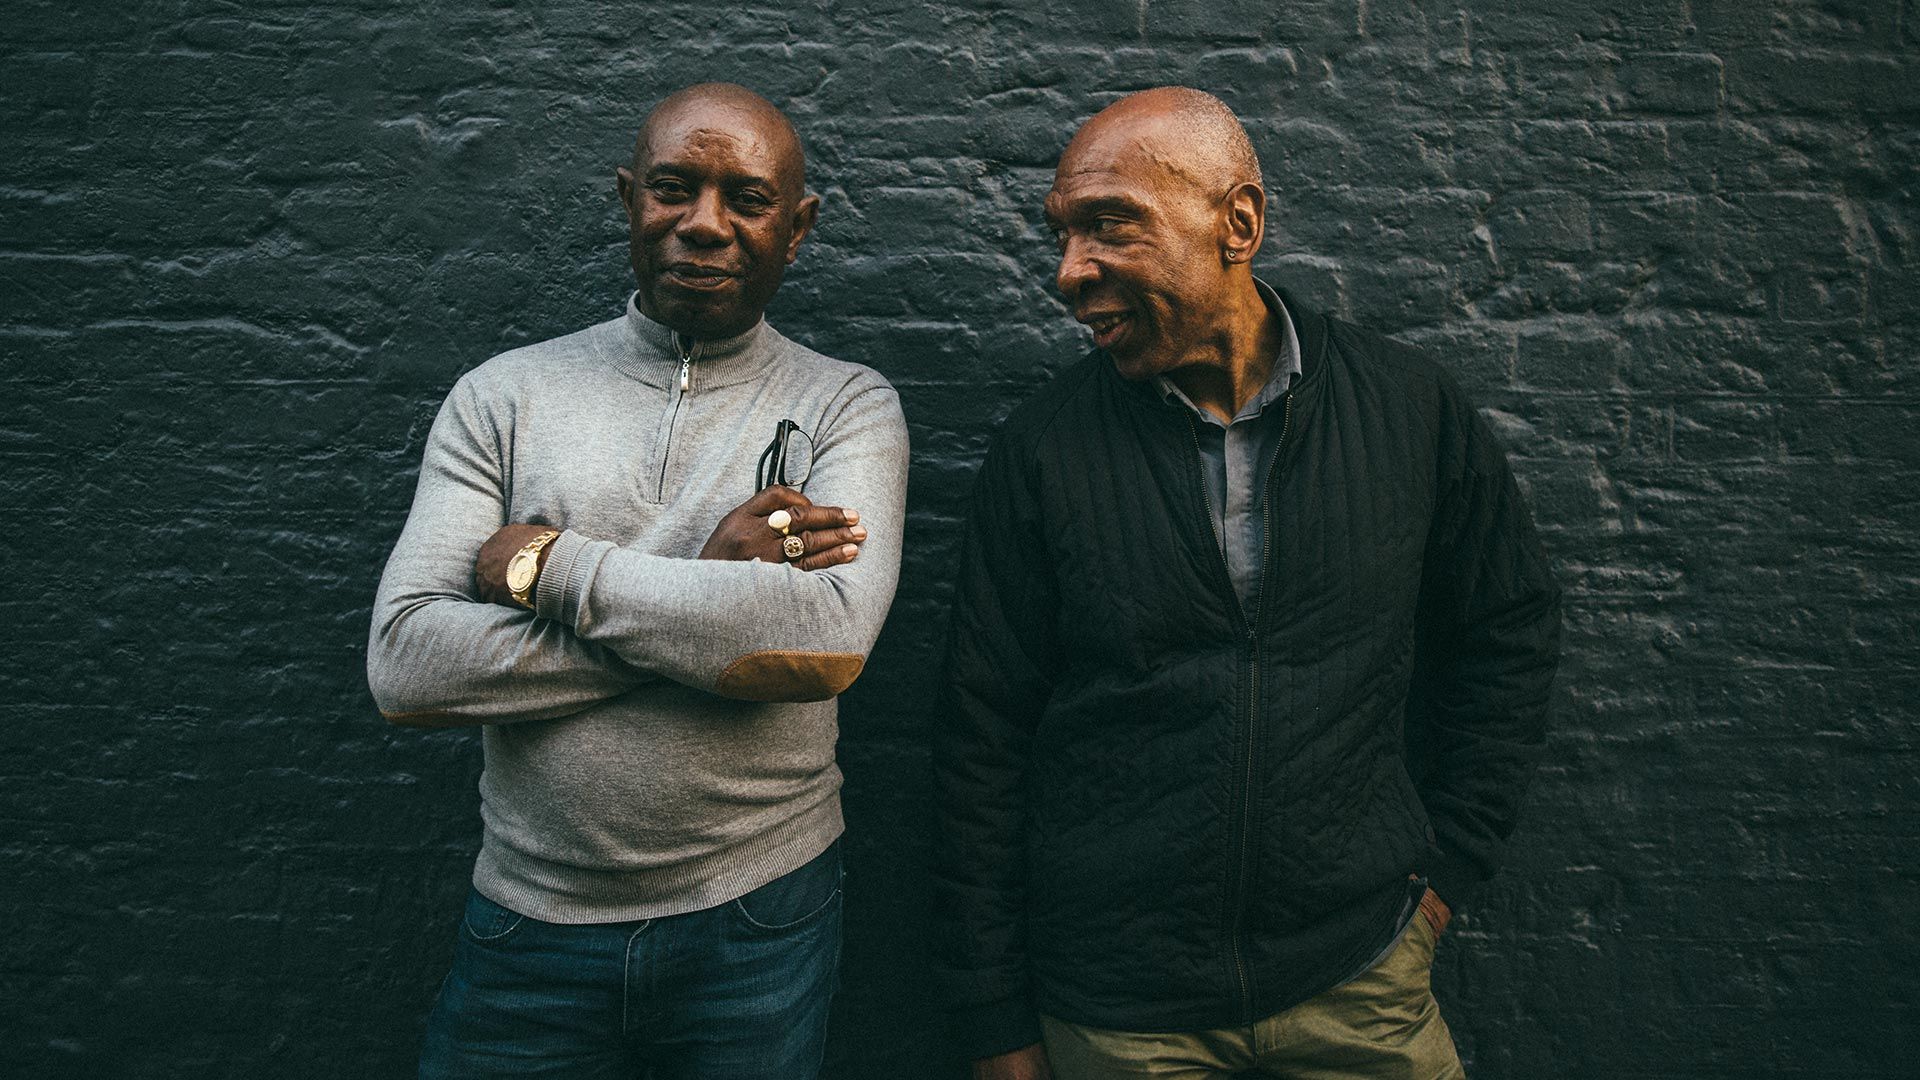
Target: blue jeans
[738, 991]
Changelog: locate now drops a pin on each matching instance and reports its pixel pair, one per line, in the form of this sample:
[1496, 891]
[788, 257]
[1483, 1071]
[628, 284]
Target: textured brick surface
[244, 250]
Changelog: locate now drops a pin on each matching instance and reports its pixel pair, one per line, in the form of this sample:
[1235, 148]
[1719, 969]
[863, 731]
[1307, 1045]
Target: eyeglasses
[787, 460]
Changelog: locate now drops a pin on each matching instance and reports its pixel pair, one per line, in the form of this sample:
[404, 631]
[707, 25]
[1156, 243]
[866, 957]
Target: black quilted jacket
[1162, 812]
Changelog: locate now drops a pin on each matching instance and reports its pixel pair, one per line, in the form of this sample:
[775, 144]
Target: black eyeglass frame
[772, 468]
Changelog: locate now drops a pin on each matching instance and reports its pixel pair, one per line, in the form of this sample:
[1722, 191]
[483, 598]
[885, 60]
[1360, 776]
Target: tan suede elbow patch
[790, 675]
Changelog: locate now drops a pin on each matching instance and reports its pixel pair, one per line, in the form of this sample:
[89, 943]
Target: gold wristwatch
[523, 570]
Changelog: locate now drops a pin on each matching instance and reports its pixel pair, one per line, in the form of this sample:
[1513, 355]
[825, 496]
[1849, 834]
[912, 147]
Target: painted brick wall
[245, 249]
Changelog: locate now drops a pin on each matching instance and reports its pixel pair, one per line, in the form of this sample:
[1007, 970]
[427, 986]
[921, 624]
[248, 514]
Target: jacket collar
[1311, 328]
[652, 353]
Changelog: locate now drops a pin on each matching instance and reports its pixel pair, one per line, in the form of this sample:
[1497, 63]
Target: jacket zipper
[1244, 827]
[1236, 797]
[688, 354]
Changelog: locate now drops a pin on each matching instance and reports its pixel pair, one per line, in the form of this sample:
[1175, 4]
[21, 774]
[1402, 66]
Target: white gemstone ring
[780, 521]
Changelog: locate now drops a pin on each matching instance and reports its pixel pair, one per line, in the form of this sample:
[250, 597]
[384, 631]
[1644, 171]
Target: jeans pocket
[796, 898]
[487, 922]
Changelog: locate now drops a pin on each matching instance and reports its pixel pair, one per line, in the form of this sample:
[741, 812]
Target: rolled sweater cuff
[999, 1027]
[564, 578]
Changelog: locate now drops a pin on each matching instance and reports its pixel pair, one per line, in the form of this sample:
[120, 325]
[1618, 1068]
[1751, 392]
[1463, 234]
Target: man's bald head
[1188, 132]
[1158, 209]
[733, 108]
[717, 207]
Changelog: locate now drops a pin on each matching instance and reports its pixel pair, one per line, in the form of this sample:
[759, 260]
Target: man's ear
[1244, 222]
[804, 216]
[624, 184]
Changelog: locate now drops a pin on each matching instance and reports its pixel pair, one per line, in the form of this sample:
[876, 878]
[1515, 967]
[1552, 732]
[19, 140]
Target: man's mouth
[698, 275]
[1107, 326]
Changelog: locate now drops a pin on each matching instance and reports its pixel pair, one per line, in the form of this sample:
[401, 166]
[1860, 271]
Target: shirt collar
[1286, 367]
[653, 352]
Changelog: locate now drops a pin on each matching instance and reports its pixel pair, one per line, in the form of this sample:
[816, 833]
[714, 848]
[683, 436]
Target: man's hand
[832, 534]
[1026, 1063]
[1435, 911]
[490, 567]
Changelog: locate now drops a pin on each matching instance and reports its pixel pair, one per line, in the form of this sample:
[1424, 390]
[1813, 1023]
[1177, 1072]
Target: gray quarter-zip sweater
[660, 731]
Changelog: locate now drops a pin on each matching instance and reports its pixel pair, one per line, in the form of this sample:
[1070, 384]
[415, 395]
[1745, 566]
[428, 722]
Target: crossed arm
[449, 648]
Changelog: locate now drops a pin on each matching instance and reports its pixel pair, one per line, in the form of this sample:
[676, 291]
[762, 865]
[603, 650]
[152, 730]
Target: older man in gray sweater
[646, 557]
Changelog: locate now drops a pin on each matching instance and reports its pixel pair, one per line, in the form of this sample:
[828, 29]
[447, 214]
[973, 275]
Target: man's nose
[705, 221]
[1076, 270]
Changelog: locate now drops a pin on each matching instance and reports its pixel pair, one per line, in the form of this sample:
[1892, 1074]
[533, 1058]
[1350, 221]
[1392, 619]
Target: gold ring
[793, 547]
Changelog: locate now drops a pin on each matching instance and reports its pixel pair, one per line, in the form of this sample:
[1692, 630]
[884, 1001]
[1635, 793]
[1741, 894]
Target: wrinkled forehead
[1135, 161]
[745, 143]
[708, 129]
[1085, 191]
[1139, 151]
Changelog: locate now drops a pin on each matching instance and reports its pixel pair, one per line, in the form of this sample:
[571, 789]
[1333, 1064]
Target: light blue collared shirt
[1233, 455]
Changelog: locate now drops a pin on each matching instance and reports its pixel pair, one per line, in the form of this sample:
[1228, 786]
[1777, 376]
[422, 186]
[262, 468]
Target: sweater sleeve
[437, 655]
[1487, 644]
[754, 630]
[1001, 662]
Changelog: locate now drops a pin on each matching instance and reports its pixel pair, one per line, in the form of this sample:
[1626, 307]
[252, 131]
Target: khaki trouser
[1384, 1024]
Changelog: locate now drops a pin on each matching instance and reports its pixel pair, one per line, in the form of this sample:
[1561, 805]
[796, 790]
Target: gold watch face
[520, 571]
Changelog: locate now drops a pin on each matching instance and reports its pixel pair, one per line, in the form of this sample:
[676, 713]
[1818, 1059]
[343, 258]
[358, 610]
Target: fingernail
[853, 517]
[858, 533]
[850, 551]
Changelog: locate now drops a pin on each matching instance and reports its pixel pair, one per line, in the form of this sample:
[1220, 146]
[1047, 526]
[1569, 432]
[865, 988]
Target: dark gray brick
[1669, 248]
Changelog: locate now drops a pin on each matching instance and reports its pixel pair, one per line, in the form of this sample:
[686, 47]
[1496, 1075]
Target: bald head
[1158, 210]
[734, 109]
[1189, 133]
[717, 207]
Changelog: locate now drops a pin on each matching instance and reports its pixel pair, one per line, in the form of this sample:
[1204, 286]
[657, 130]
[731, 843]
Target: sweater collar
[653, 355]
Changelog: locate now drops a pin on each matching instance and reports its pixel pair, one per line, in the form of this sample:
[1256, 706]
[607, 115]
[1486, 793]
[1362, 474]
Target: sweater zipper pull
[689, 351]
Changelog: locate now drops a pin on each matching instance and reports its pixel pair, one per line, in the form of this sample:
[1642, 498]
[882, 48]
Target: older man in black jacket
[1250, 661]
